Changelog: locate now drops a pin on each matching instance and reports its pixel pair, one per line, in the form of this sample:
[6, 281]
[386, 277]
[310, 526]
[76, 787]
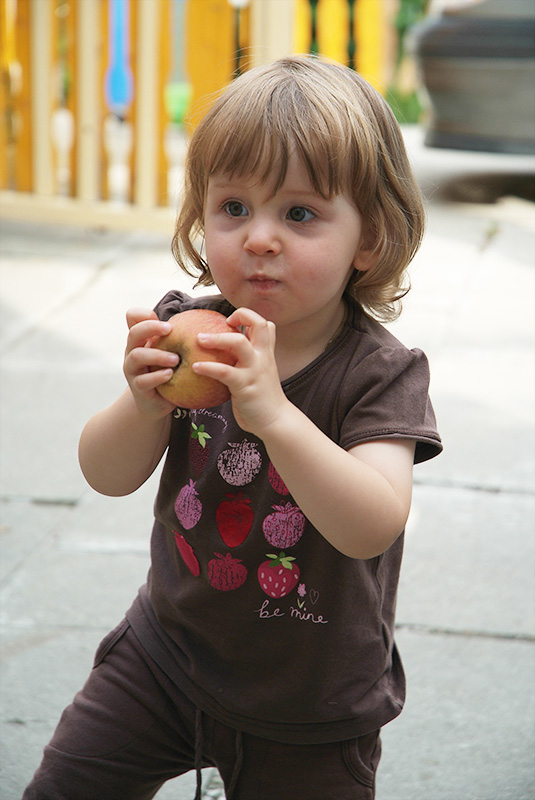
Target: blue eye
[300, 214]
[235, 209]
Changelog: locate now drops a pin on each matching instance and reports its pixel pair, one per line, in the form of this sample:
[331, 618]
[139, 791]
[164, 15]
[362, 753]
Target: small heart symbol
[314, 596]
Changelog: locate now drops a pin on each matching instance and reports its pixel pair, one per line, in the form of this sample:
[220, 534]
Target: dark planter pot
[479, 74]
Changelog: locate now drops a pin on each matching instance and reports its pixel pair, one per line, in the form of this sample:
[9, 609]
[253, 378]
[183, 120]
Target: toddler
[263, 640]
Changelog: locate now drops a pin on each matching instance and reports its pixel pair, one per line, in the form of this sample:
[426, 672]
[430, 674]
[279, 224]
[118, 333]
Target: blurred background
[98, 99]
[99, 96]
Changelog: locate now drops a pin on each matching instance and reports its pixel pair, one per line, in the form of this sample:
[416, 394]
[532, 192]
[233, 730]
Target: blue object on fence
[119, 81]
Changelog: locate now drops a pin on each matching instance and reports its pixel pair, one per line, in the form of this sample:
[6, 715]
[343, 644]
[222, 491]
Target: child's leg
[341, 770]
[122, 737]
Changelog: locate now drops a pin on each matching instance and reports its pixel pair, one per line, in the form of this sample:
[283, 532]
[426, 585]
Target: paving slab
[469, 562]
[63, 362]
[42, 267]
[470, 309]
[23, 525]
[42, 416]
[468, 726]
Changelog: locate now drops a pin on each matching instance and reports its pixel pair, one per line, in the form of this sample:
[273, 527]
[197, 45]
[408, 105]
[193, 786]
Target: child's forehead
[278, 174]
[289, 177]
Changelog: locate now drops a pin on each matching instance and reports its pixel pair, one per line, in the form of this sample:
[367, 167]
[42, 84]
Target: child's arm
[121, 446]
[358, 500]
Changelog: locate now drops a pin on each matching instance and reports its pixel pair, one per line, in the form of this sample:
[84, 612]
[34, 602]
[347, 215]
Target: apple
[185, 388]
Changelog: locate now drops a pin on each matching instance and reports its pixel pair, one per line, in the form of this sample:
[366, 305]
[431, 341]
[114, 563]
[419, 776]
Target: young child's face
[288, 256]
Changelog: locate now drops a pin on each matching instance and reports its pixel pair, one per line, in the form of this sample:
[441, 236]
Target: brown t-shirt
[270, 628]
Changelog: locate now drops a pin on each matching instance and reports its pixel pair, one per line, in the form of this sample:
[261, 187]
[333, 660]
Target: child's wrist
[281, 423]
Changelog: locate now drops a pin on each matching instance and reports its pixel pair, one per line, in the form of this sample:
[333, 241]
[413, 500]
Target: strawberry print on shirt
[234, 518]
[226, 573]
[188, 507]
[278, 575]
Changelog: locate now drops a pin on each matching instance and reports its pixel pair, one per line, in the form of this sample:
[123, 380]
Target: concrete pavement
[71, 560]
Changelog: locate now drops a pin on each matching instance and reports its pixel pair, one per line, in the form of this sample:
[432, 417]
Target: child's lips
[263, 282]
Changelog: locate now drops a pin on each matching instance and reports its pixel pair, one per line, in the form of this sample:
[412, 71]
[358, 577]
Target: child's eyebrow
[300, 191]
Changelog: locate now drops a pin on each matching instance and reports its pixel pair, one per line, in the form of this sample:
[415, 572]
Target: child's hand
[254, 384]
[146, 367]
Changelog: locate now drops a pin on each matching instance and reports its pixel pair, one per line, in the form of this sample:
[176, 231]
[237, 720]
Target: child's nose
[262, 237]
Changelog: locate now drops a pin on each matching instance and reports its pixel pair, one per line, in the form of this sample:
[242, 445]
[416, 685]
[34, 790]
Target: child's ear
[365, 259]
[366, 255]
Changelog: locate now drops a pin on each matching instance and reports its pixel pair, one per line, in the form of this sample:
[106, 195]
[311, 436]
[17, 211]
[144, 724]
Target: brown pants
[130, 729]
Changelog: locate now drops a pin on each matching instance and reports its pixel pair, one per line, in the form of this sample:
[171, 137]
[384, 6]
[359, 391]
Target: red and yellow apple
[185, 388]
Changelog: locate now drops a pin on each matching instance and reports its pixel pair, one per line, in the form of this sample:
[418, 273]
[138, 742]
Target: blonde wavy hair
[350, 143]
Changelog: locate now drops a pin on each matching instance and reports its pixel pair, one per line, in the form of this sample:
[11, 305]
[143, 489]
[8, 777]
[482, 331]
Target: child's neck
[296, 348]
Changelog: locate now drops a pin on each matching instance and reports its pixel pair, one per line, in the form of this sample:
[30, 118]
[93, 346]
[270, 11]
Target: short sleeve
[175, 302]
[386, 397]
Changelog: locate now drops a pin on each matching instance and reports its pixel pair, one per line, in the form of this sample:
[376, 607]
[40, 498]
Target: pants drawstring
[237, 765]
[199, 756]
[198, 753]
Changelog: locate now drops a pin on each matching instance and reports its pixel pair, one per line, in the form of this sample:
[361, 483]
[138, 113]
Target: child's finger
[143, 358]
[142, 332]
[259, 330]
[244, 317]
[235, 344]
[135, 315]
[137, 364]
[147, 381]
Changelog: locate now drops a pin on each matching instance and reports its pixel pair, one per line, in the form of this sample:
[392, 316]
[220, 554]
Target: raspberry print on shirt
[199, 448]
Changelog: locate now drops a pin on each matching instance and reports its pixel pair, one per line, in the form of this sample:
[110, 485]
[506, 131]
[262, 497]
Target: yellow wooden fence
[67, 149]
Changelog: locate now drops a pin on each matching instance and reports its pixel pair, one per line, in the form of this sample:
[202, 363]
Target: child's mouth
[263, 282]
